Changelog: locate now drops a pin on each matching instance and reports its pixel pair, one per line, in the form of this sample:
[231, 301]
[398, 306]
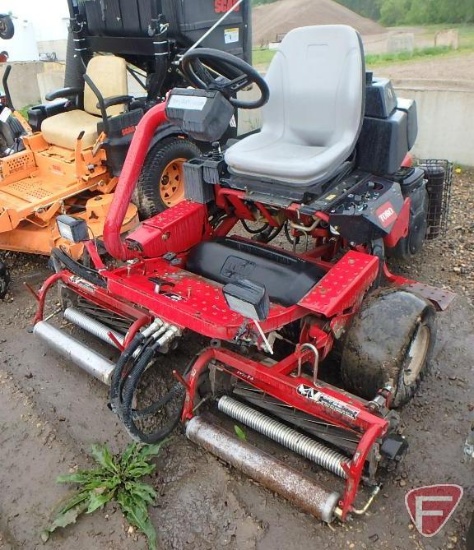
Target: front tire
[161, 182]
[390, 342]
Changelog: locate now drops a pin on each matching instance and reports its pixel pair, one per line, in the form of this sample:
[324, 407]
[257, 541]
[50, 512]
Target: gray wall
[23, 82]
[445, 116]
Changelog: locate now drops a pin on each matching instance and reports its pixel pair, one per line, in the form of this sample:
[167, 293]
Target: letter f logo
[430, 507]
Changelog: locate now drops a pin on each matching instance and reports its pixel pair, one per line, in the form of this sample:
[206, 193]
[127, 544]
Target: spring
[299, 443]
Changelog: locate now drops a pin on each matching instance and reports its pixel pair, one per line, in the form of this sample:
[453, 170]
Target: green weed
[117, 478]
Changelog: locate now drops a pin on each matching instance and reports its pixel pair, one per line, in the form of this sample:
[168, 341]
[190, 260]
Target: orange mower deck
[46, 180]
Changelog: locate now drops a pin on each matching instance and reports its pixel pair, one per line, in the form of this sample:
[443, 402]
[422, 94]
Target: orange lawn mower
[313, 344]
[70, 162]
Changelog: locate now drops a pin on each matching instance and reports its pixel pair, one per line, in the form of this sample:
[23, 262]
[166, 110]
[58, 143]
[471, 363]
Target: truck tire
[390, 342]
[161, 182]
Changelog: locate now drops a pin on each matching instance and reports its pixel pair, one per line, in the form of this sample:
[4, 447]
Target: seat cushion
[314, 114]
[268, 157]
[64, 129]
[109, 74]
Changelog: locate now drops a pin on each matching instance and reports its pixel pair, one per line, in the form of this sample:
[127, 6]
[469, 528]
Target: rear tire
[390, 341]
[161, 182]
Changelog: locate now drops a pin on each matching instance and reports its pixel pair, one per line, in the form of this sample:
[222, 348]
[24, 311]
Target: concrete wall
[23, 82]
[444, 119]
[30, 81]
[58, 47]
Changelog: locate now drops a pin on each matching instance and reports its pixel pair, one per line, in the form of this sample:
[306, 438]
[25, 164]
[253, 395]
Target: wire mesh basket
[439, 176]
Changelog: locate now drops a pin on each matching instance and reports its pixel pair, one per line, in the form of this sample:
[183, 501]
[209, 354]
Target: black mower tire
[161, 182]
[390, 342]
[4, 280]
[7, 28]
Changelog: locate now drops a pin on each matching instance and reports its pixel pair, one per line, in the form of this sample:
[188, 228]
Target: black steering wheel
[233, 75]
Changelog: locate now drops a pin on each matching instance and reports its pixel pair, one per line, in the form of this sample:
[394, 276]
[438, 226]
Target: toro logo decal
[430, 507]
[223, 6]
[386, 214]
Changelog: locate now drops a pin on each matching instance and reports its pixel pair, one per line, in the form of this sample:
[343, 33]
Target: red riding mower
[267, 318]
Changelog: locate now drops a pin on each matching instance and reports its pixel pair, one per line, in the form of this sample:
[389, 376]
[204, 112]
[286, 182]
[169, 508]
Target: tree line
[408, 12]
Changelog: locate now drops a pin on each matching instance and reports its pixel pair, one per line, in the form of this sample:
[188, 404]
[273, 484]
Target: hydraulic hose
[90, 275]
[119, 373]
[129, 416]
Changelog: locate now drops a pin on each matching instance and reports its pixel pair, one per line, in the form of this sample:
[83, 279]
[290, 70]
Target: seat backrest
[317, 87]
[109, 74]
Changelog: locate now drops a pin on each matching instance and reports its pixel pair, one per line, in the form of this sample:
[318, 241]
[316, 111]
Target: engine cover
[369, 211]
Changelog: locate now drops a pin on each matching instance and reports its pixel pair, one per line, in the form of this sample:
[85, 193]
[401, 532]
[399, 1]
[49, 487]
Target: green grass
[417, 53]
[263, 56]
[24, 110]
[466, 36]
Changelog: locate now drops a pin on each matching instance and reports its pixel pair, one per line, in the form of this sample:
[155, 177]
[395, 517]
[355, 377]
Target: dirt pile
[271, 20]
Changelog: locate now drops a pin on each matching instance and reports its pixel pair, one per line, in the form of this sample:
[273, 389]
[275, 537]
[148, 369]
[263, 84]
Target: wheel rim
[417, 355]
[172, 182]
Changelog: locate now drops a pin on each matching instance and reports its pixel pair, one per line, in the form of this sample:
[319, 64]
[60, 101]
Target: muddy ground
[51, 412]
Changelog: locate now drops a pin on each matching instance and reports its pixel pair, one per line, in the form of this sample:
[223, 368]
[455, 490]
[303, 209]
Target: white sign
[187, 102]
[231, 35]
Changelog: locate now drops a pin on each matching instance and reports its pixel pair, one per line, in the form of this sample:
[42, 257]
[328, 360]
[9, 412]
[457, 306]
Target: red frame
[149, 285]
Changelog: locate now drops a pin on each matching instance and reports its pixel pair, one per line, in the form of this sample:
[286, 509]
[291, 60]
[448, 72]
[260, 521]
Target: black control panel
[361, 207]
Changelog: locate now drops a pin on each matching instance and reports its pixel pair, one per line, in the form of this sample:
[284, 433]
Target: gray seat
[313, 118]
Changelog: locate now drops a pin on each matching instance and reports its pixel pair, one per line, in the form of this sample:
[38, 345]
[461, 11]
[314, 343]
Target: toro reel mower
[313, 343]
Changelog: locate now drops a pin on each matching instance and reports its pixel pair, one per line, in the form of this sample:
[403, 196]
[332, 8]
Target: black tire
[390, 341]
[7, 29]
[161, 182]
[4, 280]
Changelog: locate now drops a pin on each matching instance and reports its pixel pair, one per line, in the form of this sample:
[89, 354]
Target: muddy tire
[161, 182]
[390, 341]
[4, 280]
